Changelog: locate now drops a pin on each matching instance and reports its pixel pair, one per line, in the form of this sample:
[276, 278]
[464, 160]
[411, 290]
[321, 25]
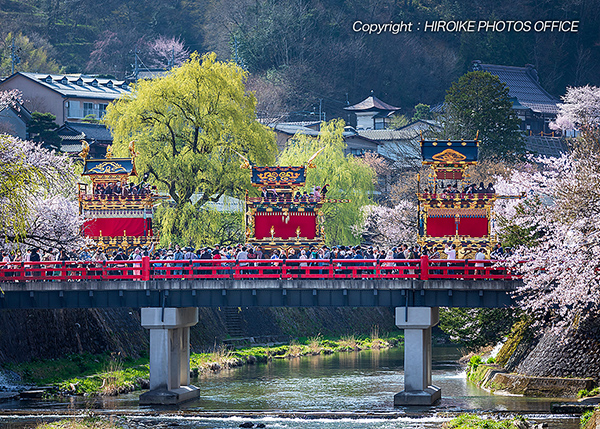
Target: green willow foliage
[191, 227]
[15, 177]
[188, 127]
[348, 178]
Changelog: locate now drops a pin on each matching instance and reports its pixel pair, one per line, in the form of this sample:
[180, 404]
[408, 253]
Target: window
[102, 110]
[88, 109]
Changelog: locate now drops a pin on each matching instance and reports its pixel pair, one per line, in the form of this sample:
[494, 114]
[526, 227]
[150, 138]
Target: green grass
[51, 371]
[471, 421]
[85, 423]
[109, 375]
[584, 393]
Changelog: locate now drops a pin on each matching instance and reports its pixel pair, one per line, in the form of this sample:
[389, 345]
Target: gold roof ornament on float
[109, 168]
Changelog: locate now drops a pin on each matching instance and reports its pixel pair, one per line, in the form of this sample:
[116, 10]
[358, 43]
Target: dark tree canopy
[42, 128]
[479, 102]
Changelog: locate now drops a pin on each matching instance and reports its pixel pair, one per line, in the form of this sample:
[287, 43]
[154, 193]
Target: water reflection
[355, 381]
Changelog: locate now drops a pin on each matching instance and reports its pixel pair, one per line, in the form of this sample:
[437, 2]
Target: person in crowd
[479, 265]
[242, 259]
[137, 256]
[450, 251]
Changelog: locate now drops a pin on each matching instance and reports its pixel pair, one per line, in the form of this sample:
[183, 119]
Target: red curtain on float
[473, 226]
[440, 226]
[306, 221]
[443, 226]
[114, 227]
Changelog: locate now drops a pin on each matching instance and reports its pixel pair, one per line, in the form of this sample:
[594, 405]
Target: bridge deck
[275, 283]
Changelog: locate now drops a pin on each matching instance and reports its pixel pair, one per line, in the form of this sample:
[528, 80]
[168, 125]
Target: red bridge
[343, 269]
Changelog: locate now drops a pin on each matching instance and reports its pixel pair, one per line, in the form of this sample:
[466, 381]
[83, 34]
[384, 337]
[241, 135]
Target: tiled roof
[84, 131]
[388, 135]
[292, 129]
[545, 146]
[81, 86]
[523, 84]
[371, 103]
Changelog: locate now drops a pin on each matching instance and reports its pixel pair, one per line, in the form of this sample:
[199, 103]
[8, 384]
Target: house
[68, 97]
[356, 144]
[96, 135]
[534, 106]
[372, 113]
[13, 121]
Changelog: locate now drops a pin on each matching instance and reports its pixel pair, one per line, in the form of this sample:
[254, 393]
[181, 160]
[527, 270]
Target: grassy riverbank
[86, 423]
[111, 375]
[471, 421]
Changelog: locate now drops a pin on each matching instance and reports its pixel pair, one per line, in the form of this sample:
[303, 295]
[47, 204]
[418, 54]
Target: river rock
[247, 425]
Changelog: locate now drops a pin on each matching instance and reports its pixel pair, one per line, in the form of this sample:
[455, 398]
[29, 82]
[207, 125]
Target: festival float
[117, 213]
[285, 215]
[450, 210]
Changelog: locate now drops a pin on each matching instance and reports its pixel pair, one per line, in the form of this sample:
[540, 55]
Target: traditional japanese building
[372, 113]
[117, 213]
[450, 211]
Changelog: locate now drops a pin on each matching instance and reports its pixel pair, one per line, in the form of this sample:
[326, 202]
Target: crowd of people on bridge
[246, 254]
[118, 189]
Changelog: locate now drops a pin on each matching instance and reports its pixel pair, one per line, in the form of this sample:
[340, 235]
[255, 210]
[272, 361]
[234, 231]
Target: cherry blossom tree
[581, 111]
[389, 226]
[13, 98]
[37, 196]
[167, 52]
[560, 221]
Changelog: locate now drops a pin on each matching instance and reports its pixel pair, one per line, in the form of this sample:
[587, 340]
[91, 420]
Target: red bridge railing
[147, 269]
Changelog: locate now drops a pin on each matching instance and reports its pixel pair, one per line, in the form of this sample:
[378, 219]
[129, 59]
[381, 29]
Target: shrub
[474, 362]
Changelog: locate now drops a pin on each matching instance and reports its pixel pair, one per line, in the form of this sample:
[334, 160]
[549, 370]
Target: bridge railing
[147, 269]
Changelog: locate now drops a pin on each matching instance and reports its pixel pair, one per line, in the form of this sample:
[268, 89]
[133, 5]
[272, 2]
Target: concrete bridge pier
[169, 355]
[417, 323]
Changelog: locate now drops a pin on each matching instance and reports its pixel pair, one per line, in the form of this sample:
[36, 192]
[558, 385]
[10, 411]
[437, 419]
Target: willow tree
[188, 126]
[348, 178]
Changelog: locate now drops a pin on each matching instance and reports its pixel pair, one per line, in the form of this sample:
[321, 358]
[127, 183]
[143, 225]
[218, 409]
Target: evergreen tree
[479, 102]
[42, 129]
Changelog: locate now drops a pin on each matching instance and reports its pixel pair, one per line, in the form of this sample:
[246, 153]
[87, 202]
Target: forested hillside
[303, 52]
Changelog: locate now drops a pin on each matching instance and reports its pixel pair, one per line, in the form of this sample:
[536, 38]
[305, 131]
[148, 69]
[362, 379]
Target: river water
[349, 390]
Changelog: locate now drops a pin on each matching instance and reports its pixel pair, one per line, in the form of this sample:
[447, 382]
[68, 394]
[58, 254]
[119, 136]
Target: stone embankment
[48, 334]
[496, 379]
[548, 362]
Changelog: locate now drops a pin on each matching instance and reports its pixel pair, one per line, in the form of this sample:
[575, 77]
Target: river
[349, 390]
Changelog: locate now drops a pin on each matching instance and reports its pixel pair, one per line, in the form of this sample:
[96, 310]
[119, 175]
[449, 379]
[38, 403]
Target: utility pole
[320, 109]
[136, 68]
[13, 56]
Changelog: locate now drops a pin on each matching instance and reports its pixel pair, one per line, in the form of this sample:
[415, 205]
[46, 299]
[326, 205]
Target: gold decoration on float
[108, 168]
[449, 155]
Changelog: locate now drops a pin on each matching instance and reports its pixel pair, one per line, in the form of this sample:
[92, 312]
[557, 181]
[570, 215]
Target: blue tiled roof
[523, 85]
[80, 85]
